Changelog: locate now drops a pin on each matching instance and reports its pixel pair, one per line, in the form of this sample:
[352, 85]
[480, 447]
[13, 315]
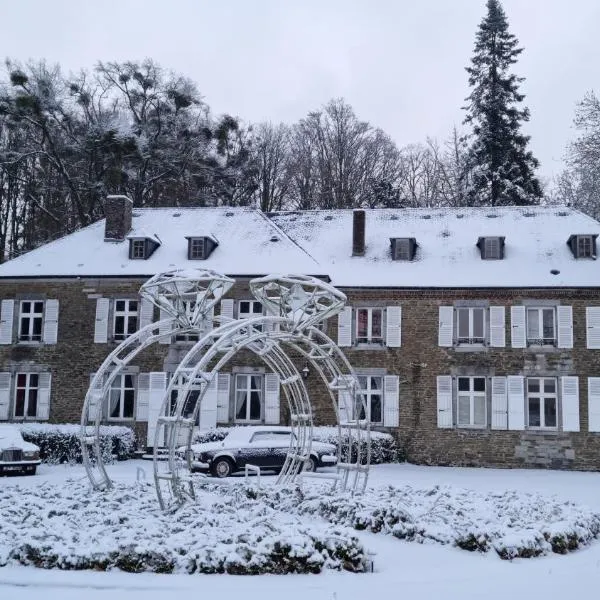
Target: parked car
[17, 455]
[266, 447]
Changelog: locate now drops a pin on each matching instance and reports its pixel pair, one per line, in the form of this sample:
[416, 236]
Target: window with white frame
[470, 325]
[248, 397]
[585, 246]
[248, 309]
[26, 395]
[122, 397]
[196, 248]
[542, 403]
[138, 249]
[369, 325]
[189, 307]
[125, 320]
[541, 326]
[372, 392]
[190, 401]
[31, 316]
[471, 402]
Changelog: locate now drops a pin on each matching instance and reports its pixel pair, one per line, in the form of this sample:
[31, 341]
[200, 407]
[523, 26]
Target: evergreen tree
[502, 168]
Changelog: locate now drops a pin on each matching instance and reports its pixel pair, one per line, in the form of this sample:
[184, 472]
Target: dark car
[265, 447]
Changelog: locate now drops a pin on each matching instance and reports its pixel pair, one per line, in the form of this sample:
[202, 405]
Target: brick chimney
[118, 211]
[358, 233]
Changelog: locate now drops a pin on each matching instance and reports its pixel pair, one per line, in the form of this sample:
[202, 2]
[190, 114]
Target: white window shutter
[7, 311]
[227, 308]
[518, 336]
[209, 405]
[499, 403]
[143, 397]
[158, 384]
[4, 396]
[516, 402]
[51, 321]
[272, 416]
[43, 399]
[497, 327]
[346, 399]
[593, 403]
[444, 401]
[146, 315]
[391, 401]
[393, 327]
[570, 403]
[345, 327]
[165, 327]
[101, 325]
[592, 314]
[446, 327]
[223, 397]
[208, 323]
[564, 318]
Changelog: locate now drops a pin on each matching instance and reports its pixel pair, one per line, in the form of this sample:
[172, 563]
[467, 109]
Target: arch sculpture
[296, 306]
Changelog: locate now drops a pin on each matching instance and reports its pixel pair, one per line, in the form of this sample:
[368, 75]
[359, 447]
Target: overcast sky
[399, 63]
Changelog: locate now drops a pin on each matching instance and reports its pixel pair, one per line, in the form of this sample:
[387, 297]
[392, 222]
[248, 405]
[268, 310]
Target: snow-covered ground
[401, 568]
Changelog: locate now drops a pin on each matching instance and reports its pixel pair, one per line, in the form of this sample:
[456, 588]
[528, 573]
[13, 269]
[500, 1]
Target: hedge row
[60, 443]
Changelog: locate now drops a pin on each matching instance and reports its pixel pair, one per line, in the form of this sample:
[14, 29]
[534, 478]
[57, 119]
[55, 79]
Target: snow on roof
[447, 255]
[250, 244]
[536, 253]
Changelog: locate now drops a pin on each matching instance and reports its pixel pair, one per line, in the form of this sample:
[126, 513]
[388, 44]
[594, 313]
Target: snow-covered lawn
[425, 570]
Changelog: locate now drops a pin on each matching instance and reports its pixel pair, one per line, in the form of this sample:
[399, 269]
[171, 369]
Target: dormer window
[138, 248]
[197, 247]
[142, 248]
[403, 248]
[583, 245]
[200, 247]
[491, 247]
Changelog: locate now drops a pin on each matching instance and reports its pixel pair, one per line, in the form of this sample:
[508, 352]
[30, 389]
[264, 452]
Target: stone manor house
[475, 332]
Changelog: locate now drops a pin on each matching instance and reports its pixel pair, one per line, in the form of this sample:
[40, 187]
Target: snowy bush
[383, 446]
[60, 443]
[69, 527]
[510, 523]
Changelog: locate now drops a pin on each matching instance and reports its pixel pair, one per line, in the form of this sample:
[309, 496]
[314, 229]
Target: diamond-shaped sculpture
[303, 299]
[187, 294]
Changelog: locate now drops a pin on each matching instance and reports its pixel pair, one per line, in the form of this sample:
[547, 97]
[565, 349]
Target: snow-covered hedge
[68, 527]
[383, 446]
[60, 443]
[512, 524]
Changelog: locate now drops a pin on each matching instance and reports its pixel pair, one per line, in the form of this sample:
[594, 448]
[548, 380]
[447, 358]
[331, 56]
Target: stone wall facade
[417, 363]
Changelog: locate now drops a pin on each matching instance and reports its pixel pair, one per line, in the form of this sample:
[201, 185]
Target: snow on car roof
[243, 433]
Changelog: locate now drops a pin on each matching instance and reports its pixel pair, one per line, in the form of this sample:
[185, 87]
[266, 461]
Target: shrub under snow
[60, 443]
[513, 524]
[70, 527]
[383, 446]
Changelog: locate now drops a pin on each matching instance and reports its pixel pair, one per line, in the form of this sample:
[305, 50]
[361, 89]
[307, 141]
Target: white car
[263, 446]
[17, 455]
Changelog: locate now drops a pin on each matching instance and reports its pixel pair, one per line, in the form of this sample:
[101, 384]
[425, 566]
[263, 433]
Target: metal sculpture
[295, 305]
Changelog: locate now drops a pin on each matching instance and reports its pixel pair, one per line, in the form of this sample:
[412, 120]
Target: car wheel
[222, 467]
[31, 471]
[310, 465]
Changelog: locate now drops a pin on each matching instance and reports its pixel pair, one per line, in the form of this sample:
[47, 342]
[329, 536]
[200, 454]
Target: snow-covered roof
[536, 253]
[447, 255]
[249, 244]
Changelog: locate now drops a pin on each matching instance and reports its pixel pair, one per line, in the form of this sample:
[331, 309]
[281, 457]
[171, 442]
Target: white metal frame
[296, 304]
